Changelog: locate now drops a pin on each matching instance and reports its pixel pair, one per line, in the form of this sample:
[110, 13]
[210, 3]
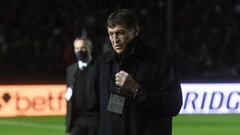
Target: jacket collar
[130, 50]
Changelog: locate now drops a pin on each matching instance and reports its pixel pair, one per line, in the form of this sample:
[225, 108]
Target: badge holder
[116, 103]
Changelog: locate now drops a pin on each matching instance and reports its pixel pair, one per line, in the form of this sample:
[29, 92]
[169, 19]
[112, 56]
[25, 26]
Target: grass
[207, 125]
[182, 125]
[32, 126]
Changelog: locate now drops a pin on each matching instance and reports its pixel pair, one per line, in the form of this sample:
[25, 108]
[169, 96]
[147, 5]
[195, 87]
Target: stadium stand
[36, 36]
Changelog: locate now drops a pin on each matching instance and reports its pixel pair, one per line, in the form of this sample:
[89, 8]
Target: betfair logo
[5, 98]
[32, 100]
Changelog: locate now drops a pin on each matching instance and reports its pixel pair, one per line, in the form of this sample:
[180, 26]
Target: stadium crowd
[36, 36]
[206, 38]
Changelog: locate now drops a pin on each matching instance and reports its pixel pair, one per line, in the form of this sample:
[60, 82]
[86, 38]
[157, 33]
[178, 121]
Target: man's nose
[115, 38]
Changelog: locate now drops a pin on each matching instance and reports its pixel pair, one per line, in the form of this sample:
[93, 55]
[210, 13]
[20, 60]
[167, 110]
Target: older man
[134, 89]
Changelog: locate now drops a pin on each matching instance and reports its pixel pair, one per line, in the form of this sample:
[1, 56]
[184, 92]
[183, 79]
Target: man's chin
[119, 51]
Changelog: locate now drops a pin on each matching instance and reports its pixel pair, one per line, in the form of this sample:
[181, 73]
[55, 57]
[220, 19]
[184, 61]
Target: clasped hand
[126, 81]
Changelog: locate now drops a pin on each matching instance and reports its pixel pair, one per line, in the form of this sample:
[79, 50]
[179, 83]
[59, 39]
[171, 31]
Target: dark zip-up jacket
[150, 112]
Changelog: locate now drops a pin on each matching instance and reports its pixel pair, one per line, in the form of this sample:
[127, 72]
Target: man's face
[120, 37]
[81, 50]
[79, 45]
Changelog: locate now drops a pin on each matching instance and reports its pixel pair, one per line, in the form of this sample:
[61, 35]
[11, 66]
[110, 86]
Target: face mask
[82, 55]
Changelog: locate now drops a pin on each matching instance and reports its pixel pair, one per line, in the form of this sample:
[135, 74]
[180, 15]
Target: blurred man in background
[134, 89]
[77, 77]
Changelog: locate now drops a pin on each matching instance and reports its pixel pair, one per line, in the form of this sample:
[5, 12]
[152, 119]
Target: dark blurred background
[36, 36]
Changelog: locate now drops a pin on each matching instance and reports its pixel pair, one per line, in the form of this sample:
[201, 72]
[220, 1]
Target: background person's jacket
[77, 80]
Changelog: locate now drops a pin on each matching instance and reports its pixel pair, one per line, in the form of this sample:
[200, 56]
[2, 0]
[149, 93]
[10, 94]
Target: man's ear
[137, 31]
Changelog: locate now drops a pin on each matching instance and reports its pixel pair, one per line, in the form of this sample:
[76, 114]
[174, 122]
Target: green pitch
[182, 125]
[32, 126]
[207, 125]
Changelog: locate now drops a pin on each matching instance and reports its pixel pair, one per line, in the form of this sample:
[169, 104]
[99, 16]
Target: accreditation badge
[116, 104]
